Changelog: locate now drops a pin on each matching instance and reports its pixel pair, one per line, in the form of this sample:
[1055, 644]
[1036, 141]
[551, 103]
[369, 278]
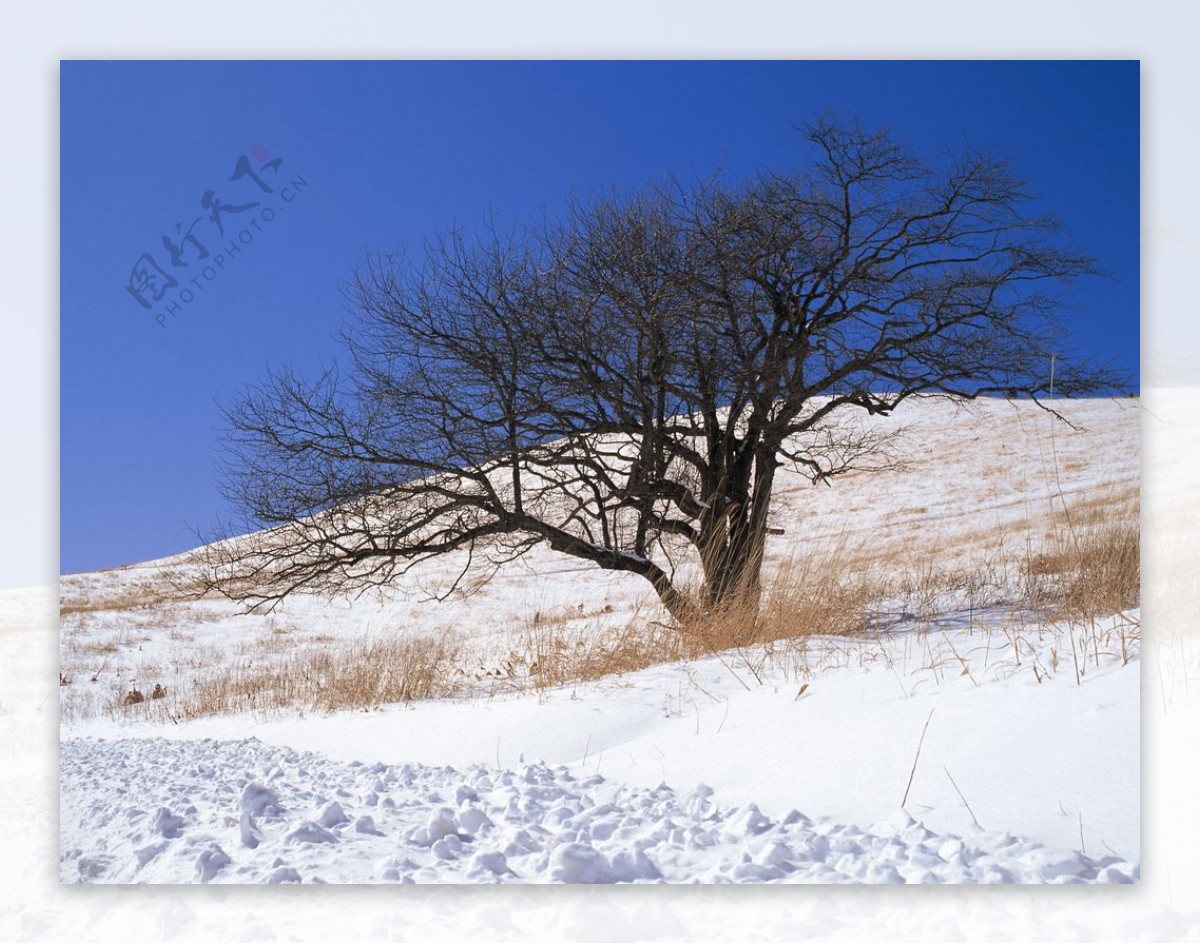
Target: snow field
[1029, 772]
[996, 470]
[245, 811]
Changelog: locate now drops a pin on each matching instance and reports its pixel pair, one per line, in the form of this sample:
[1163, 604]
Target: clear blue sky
[392, 151]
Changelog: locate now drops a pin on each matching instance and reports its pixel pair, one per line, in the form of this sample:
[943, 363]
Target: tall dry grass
[360, 676]
[1091, 564]
[144, 596]
[827, 591]
[558, 651]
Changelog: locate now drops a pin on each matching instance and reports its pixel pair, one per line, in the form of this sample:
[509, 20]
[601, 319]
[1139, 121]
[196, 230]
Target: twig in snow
[964, 800]
[912, 773]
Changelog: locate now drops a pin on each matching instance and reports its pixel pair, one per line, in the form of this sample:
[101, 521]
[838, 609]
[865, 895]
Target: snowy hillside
[925, 650]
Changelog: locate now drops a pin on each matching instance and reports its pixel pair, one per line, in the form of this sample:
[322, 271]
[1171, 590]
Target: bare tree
[627, 381]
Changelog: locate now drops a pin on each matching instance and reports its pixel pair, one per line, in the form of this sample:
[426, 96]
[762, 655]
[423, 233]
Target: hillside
[939, 633]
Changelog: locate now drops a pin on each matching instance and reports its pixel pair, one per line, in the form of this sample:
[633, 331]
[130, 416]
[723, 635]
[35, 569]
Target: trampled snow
[245, 811]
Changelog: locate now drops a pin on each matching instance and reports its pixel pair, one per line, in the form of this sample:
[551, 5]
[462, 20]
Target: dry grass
[1088, 568]
[818, 594]
[140, 597]
[555, 653]
[1092, 564]
[361, 676]
[830, 605]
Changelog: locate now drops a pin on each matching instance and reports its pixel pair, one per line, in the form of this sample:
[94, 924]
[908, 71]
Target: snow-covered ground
[963, 741]
[244, 811]
[703, 770]
[982, 482]
[1166, 905]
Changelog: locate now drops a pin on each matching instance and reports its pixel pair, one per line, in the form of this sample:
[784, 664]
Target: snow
[997, 466]
[533, 823]
[949, 746]
[1044, 760]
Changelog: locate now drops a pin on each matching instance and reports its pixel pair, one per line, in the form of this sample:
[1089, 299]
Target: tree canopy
[625, 381]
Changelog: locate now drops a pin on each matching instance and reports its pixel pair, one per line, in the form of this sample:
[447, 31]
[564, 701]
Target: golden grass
[1088, 568]
[360, 676]
[1092, 564]
[552, 653]
[140, 597]
[818, 594]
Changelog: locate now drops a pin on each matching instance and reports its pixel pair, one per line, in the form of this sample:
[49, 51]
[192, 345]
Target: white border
[38, 35]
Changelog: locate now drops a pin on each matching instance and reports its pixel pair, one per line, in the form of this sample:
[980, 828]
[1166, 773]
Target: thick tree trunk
[733, 560]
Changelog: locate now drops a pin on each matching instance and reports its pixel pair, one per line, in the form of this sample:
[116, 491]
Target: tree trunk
[733, 562]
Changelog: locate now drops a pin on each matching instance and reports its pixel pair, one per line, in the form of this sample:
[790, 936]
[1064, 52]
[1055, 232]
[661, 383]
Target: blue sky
[390, 152]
